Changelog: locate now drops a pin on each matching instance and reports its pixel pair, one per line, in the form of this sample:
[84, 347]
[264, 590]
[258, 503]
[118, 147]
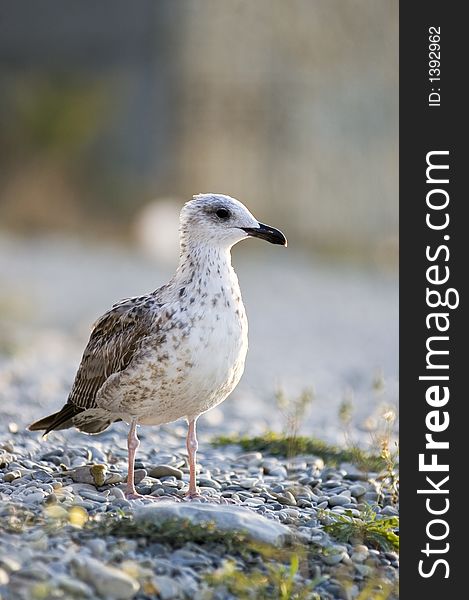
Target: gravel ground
[57, 495]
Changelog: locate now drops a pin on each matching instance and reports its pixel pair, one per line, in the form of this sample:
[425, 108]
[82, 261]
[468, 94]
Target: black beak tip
[267, 233]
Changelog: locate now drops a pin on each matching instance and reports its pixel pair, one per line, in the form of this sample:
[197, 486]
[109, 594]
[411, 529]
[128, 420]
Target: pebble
[158, 471]
[225, 518]
[117, 493]
[279, 472]
[73, 586]
[92, 474]
[11, 476]
[357, 490]
[97, 546]
[35, 497]
[338, 500]
[286, 498]
[210, 483]
[254, 501]
[334, 558]
[95, 497]
[389, 511]
[4, 577]
[248, 483]
[167, 588]
[108, 581]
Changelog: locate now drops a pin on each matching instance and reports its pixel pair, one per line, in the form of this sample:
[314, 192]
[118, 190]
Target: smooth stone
[279, 472]
[338, 500]
[91, 474]
[254, 501]
[359, 557]
[286, 498]
[334, 558]
[158, 471]
[74, 587]
[225, 518]
[116, 493]
[97, 546]
[392, 556]
[210, 483]
[11, 476]
[389, 511]
[291, 512]
[41, 475]
[250, 457]
[248, 483]
[167, 587]
[274, 506]
[108, 581]
[33, 498]
[357, 490]
[113, 478]
[365, 570]
[95, 497]
[9, 563]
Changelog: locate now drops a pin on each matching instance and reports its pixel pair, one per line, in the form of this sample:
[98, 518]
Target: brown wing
[112, 344]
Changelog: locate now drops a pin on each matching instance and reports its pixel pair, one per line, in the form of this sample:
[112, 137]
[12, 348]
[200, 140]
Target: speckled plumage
[180, 350]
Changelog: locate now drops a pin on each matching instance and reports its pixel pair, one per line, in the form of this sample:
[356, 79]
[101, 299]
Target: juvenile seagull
[176, 352]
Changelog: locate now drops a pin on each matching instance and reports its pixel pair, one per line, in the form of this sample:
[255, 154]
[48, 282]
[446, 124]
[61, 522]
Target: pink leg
[192, 447]
[132, 445]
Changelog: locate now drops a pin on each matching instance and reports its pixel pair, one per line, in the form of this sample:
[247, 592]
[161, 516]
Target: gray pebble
[333, 558]
[286, 498]
[248, 483]
[94, 496]
[158, 471]
[338, 500]
[357, 490]
[389, 511]
[167, 587]
[210, 483]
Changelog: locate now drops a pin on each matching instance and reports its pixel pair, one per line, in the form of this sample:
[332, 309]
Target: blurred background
[112, 114]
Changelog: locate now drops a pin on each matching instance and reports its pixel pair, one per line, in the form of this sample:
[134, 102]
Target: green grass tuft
[370, 529]
[278, 444]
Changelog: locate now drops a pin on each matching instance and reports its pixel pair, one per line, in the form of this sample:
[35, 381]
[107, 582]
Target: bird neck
[201, 259]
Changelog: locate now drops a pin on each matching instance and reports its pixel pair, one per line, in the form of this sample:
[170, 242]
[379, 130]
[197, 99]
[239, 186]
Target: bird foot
[195, 496]
[134, 496]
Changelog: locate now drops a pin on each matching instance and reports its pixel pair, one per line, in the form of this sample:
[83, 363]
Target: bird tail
[63, 419]
[88, 421]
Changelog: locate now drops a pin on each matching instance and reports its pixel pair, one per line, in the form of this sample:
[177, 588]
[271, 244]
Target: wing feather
[114, 339]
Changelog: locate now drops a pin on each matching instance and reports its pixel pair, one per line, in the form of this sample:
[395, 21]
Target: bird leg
[192, 446]
[132, 445]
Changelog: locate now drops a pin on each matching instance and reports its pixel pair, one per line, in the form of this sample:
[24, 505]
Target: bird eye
[223, 213]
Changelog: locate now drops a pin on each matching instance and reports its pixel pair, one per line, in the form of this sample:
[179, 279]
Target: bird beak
[265, 232]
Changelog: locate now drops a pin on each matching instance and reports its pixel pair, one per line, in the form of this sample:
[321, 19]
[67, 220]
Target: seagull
[176, 352]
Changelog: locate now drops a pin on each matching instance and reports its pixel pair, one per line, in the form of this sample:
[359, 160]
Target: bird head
[222, 221]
